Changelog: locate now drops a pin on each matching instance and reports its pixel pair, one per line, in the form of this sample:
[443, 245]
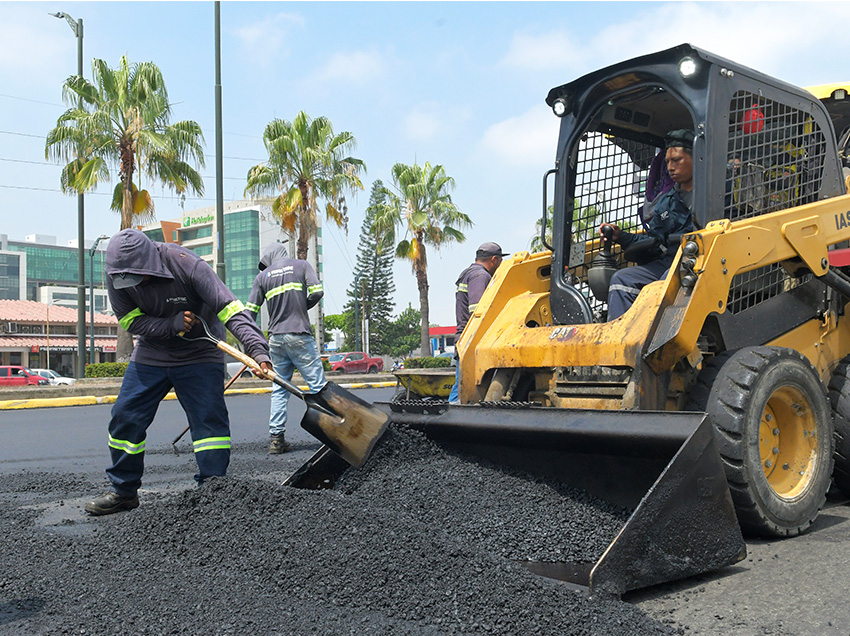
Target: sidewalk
[90, 391]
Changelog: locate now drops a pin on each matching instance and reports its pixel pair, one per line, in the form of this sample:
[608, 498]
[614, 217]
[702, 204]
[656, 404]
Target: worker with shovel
[158, 292]
[291, 287]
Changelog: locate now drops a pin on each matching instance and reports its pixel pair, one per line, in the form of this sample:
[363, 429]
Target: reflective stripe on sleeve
[128, 447]
[252, 307]
[211, 443]
[283, 288]
[230, 310]
[129, 317]
[314, 289]
[462, 287]
[473, 307]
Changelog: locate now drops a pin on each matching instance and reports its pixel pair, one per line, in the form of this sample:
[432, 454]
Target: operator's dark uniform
[672, 216]
[179, 281]
[470, 287]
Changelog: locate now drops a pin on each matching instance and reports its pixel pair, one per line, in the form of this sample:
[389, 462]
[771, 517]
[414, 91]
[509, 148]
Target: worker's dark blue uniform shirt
[672, 215]
[179, 281]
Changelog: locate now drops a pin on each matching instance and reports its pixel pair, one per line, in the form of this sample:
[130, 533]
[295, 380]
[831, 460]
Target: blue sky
[460, 84]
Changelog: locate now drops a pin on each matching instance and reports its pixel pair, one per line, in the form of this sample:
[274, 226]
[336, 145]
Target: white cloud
[264, 42]
[356, 67]
[429, 121]
[764, 35]
[542, 51]
[526, 140]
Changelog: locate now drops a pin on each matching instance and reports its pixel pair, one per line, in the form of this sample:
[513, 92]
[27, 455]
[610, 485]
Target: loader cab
[760, 146]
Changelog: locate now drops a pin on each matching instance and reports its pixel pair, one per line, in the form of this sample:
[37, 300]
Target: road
[794, 587]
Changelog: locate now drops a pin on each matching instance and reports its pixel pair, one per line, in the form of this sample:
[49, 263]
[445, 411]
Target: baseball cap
[679, 139]
[490, 249]
[122, 280]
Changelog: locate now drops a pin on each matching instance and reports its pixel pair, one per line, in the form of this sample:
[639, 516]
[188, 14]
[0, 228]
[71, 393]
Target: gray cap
[122, 280]
[488, 249]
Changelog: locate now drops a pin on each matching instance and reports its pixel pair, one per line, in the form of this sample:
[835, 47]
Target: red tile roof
[63, 342]
[29, 311]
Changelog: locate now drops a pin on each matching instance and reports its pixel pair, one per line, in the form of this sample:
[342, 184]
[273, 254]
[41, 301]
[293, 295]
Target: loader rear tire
[839, 397]
[773, 427]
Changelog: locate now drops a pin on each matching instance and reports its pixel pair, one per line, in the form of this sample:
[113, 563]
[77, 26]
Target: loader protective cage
[761, 146]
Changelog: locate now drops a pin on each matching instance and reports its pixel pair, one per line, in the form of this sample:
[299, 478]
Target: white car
[232, 368]
[54, 378]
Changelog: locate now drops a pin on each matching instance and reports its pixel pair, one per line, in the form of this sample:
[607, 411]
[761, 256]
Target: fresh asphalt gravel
[418, 542]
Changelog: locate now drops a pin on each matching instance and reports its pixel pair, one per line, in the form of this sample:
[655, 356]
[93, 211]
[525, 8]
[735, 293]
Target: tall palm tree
[122, 120]
[306, 163]
[421, 207]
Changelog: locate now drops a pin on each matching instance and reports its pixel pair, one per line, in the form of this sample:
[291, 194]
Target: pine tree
[373, 277]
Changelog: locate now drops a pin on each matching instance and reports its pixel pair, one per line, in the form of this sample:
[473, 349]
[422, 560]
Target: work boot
[112, 502]
[278, 445]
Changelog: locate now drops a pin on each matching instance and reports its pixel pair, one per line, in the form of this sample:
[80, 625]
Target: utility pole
[77, 28]
[219, 168]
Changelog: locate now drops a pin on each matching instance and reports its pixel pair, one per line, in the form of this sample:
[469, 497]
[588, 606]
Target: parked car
[355, 362]
[232, 368]
[54, 378]
[448, 354]
[11, 375]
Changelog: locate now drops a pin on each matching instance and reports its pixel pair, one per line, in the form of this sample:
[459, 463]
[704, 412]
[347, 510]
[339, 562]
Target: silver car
[54, 378]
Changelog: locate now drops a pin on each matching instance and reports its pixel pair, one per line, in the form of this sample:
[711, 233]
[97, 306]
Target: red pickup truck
[354, 362]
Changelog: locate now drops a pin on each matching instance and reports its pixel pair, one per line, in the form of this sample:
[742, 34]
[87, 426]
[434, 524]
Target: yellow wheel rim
[788, 442]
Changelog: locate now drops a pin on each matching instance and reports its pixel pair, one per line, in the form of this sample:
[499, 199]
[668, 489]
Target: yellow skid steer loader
[707, 407]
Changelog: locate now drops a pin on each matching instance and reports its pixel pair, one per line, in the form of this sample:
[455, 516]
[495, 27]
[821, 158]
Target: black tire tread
[724, 390]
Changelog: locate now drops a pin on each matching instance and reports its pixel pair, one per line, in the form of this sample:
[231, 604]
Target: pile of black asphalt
[420, 541]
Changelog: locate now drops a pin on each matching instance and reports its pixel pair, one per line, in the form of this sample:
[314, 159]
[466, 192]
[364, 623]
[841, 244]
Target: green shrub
[326, 365]
[106, 370]
[427, 363]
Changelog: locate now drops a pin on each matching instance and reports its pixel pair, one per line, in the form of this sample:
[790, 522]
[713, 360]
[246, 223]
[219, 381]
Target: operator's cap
[122, 280]
[679, 139]
[488, 249]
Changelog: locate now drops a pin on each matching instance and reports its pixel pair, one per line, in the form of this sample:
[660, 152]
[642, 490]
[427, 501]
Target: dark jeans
[199, 389]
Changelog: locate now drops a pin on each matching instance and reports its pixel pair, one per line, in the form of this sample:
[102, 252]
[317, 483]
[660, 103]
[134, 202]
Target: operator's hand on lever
[189, 321]
[266, 366]
[612, 234]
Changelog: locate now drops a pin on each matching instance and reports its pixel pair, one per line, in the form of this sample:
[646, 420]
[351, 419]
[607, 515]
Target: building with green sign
[248, 228]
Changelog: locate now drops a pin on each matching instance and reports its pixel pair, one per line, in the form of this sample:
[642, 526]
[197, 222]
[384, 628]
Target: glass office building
[248, 229]
[27, 267]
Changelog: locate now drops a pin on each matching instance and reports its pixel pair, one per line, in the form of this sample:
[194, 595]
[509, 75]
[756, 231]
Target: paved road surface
[795, 587]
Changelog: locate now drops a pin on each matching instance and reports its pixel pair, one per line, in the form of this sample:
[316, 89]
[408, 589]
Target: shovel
[348, 425]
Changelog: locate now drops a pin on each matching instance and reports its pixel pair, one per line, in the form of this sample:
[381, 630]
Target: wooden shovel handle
[251, 363]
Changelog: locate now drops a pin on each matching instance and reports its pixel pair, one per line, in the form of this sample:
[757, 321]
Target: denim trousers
[290, 351]
[199, 391]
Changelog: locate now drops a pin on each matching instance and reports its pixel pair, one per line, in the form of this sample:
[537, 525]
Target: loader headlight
[687, 66]
[559, 107]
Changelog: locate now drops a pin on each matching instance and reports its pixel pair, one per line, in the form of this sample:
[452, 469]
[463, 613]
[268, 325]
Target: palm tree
[422, 208]
[306, 163]
[122, 122]
[582, 229]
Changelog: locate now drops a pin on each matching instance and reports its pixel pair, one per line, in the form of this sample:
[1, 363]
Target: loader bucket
[663, 466]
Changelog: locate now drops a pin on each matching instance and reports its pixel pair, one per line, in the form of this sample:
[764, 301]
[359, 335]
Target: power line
[34, 101]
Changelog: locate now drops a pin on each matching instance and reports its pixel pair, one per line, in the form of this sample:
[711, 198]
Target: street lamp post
[48, 333]
[91, 292]
[77, 28]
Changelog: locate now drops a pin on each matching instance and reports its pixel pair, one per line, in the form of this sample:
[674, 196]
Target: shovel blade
[352, 431]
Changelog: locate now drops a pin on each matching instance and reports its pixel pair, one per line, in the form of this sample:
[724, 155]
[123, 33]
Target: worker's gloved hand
[266, 366]
[612, 234]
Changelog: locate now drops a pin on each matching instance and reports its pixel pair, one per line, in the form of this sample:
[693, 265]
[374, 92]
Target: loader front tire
[773, 427]
[839, 397]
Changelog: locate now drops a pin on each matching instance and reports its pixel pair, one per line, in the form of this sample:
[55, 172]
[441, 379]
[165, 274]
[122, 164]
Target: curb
[89, 400]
